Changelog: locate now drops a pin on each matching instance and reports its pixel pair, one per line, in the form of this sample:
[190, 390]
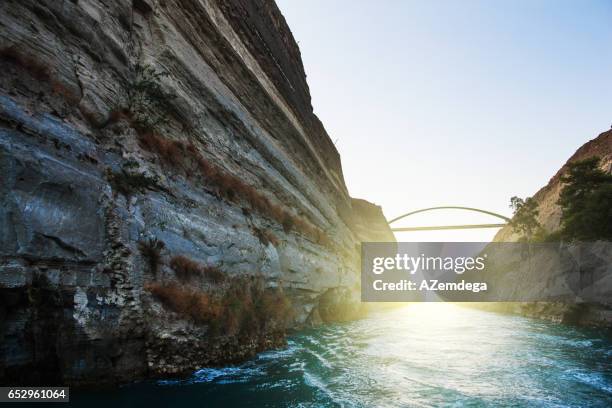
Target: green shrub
[146, 103]
[525, 219]
[586, 202]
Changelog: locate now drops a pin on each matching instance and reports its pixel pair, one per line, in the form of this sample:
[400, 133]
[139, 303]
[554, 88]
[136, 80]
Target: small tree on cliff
[525, 219]
[586, 202]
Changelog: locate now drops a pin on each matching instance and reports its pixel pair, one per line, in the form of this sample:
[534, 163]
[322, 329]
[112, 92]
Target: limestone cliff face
[137, 134]
[547, 197]
[594, 309]
[370, 224]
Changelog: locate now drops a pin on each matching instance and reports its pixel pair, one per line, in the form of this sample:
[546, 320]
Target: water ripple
[418, 356]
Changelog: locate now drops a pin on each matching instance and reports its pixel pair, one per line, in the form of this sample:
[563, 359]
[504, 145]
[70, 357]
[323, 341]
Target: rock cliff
[595, 309]
[547, 197]
[370, 224]
[168, 198]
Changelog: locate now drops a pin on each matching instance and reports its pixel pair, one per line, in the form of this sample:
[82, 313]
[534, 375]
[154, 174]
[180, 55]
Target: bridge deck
[447, 227]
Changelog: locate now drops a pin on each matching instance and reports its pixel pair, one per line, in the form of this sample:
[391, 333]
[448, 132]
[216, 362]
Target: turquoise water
[419, 356]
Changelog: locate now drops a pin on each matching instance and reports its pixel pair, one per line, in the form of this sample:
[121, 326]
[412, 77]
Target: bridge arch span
[449, 227]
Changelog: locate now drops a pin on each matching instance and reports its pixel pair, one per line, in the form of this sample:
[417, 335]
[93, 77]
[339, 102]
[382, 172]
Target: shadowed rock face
[82, 184]
[370, 224]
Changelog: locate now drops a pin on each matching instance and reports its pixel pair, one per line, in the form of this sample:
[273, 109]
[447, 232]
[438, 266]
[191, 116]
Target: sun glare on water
[438, 313]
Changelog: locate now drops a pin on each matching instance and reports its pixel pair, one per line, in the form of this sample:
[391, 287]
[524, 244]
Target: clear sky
[455, 102]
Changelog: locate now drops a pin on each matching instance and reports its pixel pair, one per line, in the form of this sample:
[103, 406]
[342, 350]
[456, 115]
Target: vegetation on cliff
[586, 207]
[187, 269]
[146, 110]
[525, 218]
[238, 305]
[241, 306]
[586, 202]
[161, 146]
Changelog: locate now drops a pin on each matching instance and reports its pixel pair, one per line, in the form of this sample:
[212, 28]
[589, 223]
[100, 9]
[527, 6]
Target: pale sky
[455, 102]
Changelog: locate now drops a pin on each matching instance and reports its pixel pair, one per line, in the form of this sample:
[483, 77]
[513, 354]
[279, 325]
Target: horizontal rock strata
[168, 198]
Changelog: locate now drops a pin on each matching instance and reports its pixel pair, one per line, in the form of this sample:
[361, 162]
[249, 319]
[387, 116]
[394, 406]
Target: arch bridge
[449, 227]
